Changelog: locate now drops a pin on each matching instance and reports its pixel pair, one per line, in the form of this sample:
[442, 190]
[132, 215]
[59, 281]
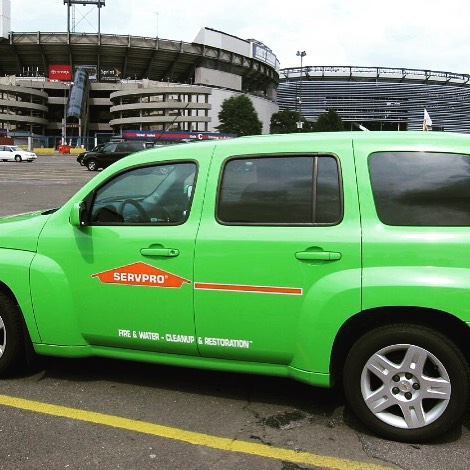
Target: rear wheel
[12, 340]
[407, 382]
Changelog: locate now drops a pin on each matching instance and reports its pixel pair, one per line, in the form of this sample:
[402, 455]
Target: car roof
[358, 136]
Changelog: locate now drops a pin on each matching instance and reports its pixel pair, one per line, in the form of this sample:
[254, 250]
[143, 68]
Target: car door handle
[318, 255]
[168, 252]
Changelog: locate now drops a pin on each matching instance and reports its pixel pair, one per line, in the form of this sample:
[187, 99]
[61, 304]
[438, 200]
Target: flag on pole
[427, 121]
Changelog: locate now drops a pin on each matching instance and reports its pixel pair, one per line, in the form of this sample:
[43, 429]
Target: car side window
[149, 195]
[421, 188]
[110, 148]
[287, 190]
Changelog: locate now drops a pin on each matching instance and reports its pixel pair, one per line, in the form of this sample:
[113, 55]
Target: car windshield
[14, 148]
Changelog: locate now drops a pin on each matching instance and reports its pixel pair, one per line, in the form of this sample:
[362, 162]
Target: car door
[107, 155]
[278, 253]
[122, 150]
[125, 279]
[7, 154]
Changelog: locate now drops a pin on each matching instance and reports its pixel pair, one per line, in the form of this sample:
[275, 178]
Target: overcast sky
[422, 34]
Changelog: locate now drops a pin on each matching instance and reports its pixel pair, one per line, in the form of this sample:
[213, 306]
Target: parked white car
[13, 153]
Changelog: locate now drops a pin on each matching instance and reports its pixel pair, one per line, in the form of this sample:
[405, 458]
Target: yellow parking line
[200, 439]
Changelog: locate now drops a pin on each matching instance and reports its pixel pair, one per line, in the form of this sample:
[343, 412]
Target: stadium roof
[357, 73]
[31, 54]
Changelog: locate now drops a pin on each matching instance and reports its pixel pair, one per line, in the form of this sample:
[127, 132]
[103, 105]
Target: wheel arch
[4, 289]
[455, 329]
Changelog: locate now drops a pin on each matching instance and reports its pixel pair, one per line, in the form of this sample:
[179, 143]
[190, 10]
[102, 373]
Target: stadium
[378, 98]
[82, 88]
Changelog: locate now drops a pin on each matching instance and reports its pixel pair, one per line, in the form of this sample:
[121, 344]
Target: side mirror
[77, 214]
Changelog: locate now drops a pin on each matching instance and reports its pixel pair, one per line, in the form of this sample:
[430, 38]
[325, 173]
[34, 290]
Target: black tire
[18, 158]
[13, 349]
[92, 164]
[419, 388]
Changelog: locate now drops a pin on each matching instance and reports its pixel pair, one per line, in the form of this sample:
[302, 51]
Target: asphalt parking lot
[107, 414]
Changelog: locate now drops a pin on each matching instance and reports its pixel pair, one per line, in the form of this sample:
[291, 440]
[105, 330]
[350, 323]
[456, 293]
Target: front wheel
[12, 340]
[406, 382]
[92, 164]
[18, 158]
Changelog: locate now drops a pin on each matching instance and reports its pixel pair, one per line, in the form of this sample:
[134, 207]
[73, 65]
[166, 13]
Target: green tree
[238, 116]
[285, 122]
[329, 122]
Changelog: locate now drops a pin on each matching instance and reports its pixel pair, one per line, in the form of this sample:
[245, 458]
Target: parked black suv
[110, 153]
[82, 155]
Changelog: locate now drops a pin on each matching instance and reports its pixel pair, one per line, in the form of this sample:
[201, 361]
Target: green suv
[328, 258]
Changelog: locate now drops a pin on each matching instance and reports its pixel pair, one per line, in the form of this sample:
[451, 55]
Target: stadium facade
[89, 86]
[378, 98]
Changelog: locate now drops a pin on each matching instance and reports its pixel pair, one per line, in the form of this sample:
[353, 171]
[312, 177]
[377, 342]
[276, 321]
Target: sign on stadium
[61, 72]
[175, 135]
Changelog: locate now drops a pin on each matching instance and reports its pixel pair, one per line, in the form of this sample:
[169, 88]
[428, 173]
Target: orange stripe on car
[248, 288]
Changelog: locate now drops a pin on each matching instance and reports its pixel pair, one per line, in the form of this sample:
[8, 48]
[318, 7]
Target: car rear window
[292, 190]
[421, 188]
[131, 146]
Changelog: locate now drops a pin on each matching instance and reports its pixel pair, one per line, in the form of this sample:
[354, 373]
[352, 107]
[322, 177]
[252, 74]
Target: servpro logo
[141, 274]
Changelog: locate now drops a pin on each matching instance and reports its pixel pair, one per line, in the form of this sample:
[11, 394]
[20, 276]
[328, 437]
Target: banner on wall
[175, 135]
[60, 72]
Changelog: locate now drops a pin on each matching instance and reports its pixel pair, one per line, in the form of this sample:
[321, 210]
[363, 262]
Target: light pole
[299, 98]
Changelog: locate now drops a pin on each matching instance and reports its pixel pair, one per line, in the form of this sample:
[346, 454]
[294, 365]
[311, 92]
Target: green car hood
[21, 232]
